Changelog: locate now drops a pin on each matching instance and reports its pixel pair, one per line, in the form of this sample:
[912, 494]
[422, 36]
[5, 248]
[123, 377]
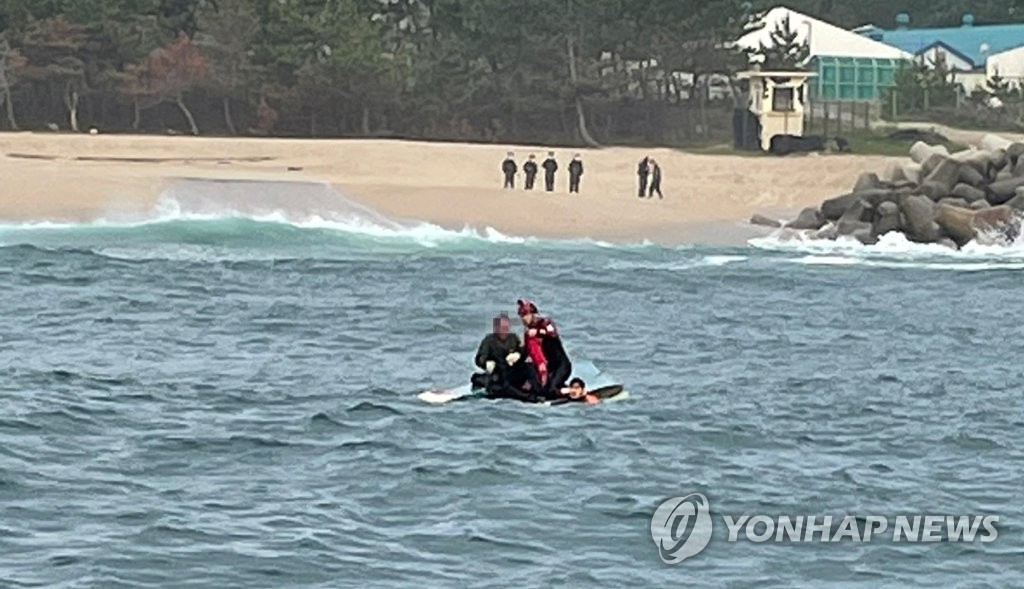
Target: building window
[782, 100]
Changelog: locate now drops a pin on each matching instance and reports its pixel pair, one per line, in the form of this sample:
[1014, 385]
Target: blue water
[232, 403]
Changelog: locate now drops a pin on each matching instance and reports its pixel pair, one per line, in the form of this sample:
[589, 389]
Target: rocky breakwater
[932, 197]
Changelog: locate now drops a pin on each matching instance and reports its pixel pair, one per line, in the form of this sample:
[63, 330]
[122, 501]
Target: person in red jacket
[550, 366]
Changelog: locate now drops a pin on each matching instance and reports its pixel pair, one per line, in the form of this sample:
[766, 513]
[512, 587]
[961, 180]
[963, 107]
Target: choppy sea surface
[216, 397]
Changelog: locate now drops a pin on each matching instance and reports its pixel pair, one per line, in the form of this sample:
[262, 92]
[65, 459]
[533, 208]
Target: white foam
[893, 250]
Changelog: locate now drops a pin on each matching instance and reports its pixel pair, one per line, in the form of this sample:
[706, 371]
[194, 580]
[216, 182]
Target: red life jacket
[534, 345]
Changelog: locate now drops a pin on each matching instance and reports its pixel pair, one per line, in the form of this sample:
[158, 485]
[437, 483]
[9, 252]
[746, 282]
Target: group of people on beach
[509, 169]
[534, 370]
[648, 172]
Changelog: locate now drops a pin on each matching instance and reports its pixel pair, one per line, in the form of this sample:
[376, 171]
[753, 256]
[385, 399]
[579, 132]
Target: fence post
[825, 106]
[895, 101]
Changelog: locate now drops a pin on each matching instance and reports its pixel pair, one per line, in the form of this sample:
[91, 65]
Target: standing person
[530, 169]
[575, 173]
[655, 180]
[509, 168]
[550, 167]
[643, 171]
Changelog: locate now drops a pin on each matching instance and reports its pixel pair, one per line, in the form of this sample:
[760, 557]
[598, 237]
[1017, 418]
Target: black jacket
[550, 166]
[530, 168]
[509, 167]
[493, 348]
[576, 168]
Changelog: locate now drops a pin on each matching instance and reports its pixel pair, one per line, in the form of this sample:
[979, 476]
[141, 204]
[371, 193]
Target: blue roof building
[965, 48]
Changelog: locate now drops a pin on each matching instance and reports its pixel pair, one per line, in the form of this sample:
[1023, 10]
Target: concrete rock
[979, 205]
[958, 223]
[918, 219]
[970, 175]
[887, 218]
[1001, 191]
[945, 174]
[993, 142]
[764, 221]
[808, 219]
[921, 151]
[834, 208]
[827, 232]
[955, 202]
[968, 193]
[947, 242]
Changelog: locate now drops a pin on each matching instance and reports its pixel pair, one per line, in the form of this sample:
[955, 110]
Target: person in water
[548, 366]
[578, 393]
[498, 355]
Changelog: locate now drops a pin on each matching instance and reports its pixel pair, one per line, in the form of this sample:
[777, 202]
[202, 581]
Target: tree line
[559, 71]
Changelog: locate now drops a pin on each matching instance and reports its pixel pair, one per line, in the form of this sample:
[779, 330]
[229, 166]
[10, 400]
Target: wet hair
[578, 381]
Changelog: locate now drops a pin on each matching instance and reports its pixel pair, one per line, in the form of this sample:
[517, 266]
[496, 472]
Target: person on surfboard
[499, 353]
[548, 365]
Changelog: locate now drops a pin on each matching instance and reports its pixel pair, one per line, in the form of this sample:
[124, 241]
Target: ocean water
[224, 398]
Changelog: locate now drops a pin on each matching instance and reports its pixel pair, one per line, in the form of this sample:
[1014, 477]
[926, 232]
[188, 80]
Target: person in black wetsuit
[575, 174]
[550, 167]
[500, 357]
[509, 169]
[530, 170]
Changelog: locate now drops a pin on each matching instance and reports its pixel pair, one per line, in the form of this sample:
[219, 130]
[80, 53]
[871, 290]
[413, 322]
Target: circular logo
[681, 527]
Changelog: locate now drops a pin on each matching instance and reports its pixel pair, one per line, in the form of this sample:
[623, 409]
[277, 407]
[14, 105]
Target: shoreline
[708, 198]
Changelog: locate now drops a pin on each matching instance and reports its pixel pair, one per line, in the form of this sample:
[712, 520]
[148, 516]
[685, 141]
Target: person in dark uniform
[575, 173]
[530, 169]
[643, 171]
[499, 356]
[550, 167]
[509, 168]
[655, 180]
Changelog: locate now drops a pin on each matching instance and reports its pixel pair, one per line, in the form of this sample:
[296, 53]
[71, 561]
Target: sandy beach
[708, 198]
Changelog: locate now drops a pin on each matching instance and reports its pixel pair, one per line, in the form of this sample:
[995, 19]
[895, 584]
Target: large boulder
[834, 208]
[887, 218]
[764, 221]
[942, 178]
[970, 175]
[979, 205]
[827, 232]
[993, 142]
[997, 225]
[968, 193]
[956, 222]
[1018, 168]
[868, 181]
[1001, 191]
[1014, 152]
[866, 235]
[921, 151]
[931, 163]
[955, 202]
[1017, 203]
[856, 218]
[905, 172]
[809, 219]
[919, 218]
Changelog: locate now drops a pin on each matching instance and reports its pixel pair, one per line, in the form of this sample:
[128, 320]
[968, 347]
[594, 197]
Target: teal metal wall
[852, 78]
